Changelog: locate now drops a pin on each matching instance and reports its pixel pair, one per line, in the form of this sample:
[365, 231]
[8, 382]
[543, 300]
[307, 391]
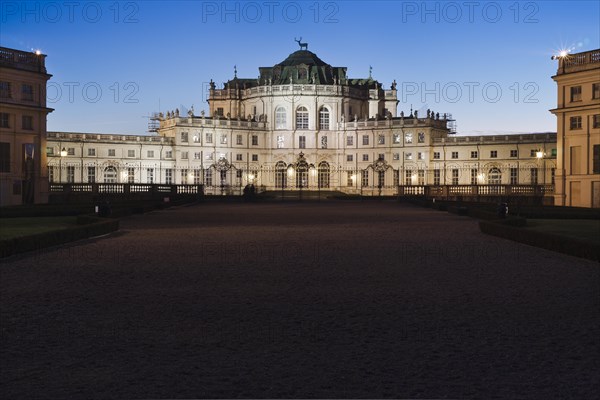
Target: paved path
[299, 300]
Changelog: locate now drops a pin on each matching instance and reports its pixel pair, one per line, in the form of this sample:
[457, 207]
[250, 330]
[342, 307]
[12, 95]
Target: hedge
[89, 227]
[549, 241]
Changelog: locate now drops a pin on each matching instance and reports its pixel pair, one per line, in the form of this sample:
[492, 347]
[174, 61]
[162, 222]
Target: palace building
[304, 124]
[578, 127]
[23, 112]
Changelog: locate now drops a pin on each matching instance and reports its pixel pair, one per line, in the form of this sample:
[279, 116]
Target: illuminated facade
[304, 124]
[578, 129]
[23, 112]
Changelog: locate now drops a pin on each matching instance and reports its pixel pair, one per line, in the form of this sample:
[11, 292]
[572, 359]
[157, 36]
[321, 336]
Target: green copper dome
[302, 57]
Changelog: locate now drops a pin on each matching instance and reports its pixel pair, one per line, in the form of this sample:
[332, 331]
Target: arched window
[494, 176]
[302, 118]
[280, 175]
[323, 175]
[110, 174]
[324, 119]
[280, 120]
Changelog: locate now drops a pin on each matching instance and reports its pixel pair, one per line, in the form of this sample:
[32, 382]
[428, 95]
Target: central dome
[302, 57]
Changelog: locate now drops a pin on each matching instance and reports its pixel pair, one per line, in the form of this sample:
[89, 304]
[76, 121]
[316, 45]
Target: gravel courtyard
[344, 300]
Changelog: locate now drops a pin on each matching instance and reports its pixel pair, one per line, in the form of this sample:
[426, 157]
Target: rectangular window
[455, 154]
[197, 155]
[408, 138]
[168, 176]
[455, 176]
[575, 160]
[111, 152]
[349, 157]
[91, 152]
[396, 177]
[324, 119]
[408, 178]
[514, 153]
[534, 176]
[5, 90]
[493, 154]
[323, 142]
[533, 153]
[184, 177]
[208, 178]
[91, 174]
[350, 141]
[381, 139]
[596, 159]
[421, 137]
[365, 178]
[130, 153]
[184, 155]
[596, 91]
[365, 140]
[50, 151]
[575, 122]
[408, 156]
[71, 151]
[130, 175]
[27, 92]
[4, 157]
[514, 176]
[473, 176]
[169, 154]
[27, 122]
[421, 177]
[197, 176]
[4, 120]
[365, 157]
[50, 174]
[220, 111]
[254, 140]
[150, 153]
[302, 142]
[473, 154]
[150, 175]
[396, 138]
[280, 142]
[223, 139]
[209, 137]
[254, 157]
[420, 156]
[196, 138]
[184, 137]
[436, 155]
[209, 156]
[436, 177]
[302, 118]
[239, 140]
[239, 157]
[575, 93]
[396, 156]
[350, 179]
[596, 121]
[381, 156]
[70, 174]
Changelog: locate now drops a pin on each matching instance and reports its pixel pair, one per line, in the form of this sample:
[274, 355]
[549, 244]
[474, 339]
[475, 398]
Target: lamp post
[541, 155]
[63, 153]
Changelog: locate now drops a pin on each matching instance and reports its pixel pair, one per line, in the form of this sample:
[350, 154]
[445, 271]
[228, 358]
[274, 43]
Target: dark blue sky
[486, 62]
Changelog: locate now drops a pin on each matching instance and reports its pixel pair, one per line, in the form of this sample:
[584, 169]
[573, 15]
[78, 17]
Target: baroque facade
[578, 129]
[304, 124]
[23, 112]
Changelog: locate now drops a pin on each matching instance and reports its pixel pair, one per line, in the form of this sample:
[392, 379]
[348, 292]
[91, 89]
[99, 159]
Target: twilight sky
[485, 62]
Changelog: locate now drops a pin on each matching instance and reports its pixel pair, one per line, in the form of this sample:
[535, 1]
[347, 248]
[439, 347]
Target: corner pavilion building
[304, 124]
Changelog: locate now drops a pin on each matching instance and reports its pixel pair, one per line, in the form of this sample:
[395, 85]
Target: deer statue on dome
[302, 45]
